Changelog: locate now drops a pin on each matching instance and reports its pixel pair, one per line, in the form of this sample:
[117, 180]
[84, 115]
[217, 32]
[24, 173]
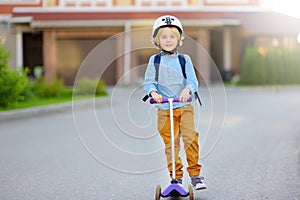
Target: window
[85, 3]
[20, 1]
[161, 2]
[231, 2]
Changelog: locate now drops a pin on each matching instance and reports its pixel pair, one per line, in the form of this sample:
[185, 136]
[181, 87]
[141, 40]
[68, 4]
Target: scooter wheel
[158, 192]
[191, 192]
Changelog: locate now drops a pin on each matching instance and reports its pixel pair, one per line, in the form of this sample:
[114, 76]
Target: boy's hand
[185, 95]
[156, 97]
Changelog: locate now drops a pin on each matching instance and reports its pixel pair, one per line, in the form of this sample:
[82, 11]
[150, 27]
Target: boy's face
[167, 39]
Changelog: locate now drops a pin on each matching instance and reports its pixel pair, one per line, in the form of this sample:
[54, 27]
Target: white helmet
[166, 20]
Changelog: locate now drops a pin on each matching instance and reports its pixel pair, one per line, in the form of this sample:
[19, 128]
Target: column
[119, 57]
[49, 54]
[127, 53]
[203, 61]
[227, 55]
[19, 49]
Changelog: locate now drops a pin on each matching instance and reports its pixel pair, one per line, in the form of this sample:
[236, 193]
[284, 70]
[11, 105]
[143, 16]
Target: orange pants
[183, 127]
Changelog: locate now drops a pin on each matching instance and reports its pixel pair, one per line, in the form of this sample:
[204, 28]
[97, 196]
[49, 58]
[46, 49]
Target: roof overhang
[133, 23]
[257, 23]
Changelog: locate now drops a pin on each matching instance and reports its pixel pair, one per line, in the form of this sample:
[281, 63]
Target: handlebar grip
[165, 100]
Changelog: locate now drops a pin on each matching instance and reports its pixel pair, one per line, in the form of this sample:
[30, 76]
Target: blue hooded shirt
[170, 81]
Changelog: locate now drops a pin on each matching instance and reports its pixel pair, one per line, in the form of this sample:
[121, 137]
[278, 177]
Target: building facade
[114, 36]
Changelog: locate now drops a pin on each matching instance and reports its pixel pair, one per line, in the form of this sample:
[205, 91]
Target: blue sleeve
[191, 78]
[150, 84]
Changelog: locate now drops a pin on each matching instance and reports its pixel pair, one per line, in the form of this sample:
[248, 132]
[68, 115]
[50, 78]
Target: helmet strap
[174, 51]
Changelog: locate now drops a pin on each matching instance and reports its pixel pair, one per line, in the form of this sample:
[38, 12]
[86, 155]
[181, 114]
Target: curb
[49, 109]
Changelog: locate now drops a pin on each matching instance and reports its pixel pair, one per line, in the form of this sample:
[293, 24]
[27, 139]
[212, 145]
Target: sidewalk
[48, 109]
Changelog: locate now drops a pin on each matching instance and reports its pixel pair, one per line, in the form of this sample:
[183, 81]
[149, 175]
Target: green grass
[36, 102]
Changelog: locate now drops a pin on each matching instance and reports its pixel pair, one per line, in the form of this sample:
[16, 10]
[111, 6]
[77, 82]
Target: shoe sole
[200, 188]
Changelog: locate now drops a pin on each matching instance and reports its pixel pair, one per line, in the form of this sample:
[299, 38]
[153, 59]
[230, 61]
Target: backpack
[182, 64]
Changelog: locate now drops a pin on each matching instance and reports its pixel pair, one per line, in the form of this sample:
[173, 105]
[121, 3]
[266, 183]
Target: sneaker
[177, 180]
[197, 182]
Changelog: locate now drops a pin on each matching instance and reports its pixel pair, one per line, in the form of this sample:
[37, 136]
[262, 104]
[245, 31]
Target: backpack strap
[198, 97]
[182, 64]
[156, 65]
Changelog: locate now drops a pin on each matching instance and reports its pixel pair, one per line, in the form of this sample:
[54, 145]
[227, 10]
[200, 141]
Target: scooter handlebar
[166, 100]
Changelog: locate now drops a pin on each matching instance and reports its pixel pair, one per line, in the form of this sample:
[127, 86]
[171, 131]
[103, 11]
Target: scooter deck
[174, 190]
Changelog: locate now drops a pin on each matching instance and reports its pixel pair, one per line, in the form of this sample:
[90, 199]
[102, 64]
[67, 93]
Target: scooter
[175, 189]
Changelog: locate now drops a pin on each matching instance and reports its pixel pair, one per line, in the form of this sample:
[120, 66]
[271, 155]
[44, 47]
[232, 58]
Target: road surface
[52, 156]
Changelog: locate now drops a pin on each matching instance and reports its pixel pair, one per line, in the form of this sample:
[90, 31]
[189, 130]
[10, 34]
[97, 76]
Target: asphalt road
[112, 151]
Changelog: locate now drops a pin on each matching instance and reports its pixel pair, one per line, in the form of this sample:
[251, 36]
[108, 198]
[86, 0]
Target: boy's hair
[173, 29]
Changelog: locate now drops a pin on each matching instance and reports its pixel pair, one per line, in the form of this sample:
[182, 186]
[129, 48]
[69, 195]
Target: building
[59, 35]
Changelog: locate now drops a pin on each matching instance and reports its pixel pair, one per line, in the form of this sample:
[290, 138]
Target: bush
[42, 89]
[91, 87]
[276, 66]
[14, 83]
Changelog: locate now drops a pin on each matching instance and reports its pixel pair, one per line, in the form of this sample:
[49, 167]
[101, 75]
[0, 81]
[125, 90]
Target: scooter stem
[172, 138]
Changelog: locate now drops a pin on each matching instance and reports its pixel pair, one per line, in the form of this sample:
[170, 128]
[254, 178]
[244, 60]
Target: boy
[167, 35]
